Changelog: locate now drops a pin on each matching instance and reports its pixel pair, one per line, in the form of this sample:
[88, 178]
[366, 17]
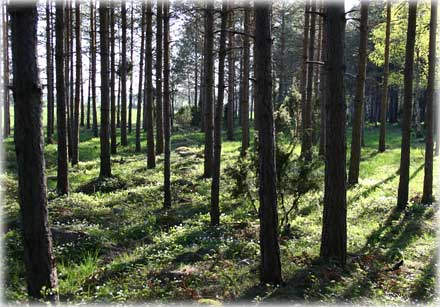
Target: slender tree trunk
[215, 186]
[429, 115]
[151, 158]
[118, 107]
[304, 79]
[140, 89]
[323, 90]
[166, 103]
[130, 102]
[68, 55]
[386, 69]
[159, 111]
[29, 147]
[231, 73]
[417, 111]
[6, 102]
[306, 144]
[245, 81]
[124, 141]
[113, 141]
[93, 48]
[105, 165]
[89, 98]
[75, 115]
[334, 224]
[49, 73]
[355, 157]
[209, 87]
[270, 269]
[62, 152]
[81, 120]
[402, 198]
[71, 80]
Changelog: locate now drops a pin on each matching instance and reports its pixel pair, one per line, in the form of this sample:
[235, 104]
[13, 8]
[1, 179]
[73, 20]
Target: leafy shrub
[183, 117]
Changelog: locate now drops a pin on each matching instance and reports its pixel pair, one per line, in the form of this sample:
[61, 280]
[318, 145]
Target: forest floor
[114, 243]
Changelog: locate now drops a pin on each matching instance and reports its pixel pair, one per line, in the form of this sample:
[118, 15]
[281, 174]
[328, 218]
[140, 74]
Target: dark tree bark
[50, 97]
[140, 88]
[68, 55]
[323, 90]
[93, 50]
[304, 71]
[231, 73]
[113, 141]
[124, 141]
[270, 269]
[245, 81]
[75, 115]
[159, 111]
[334, 224]
[105, 166]
[89, 98]
[402, 197]
[429, 117]
[166, 103]
[209, 87]
[6, 102]
[81, 117]
[118, 107]
[130, 102]
[386, 68]
[355, 156]
[215, 186]
[71, 79]
[62, 153]
[306, 141]
[29, 147]
[151, 157]
[281, 69]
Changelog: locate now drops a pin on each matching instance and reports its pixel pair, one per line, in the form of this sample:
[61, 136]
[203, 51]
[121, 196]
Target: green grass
[118, 244]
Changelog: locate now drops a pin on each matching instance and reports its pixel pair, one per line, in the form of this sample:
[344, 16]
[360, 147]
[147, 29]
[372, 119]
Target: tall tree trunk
[105, 165]
[6, 102]
[118, 107]
[215, 186]
[334, 224]
[386, 69]
[29, 147]
[231, 73]
[75, 116]
[68, 55]
[429, 117]
[71, 79]
[62, 152]
[113, 141]
[306, 143]
[93, 48]
[124, 141]
[402, 197]
[417, 111]
[159, 111]
[270, 269]
[282, 73]
[166, 103]
[355, 156]
[140, 88]
[323, 89]
[81, 117]
[304, 78]
[130, 102]
[151, 158]
[245, 80]
[49, 68]
[209, 86]
[89, 98]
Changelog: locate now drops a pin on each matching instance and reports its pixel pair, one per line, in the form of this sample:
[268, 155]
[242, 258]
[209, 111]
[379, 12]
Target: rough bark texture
[306, 141]
[166, 103]
[151, 157]
[113, 141]
[124, 141]
[386, 69]
[231, 74]
[245, 81]
[209, 89]
[29, 148]
[334, 224]
[429, 115]
[215, 186]
[159, 111]
[402, 197]
[270, 269]
[75, 116]
[140, 88]
[105, 166]
[355, 156]
[62, 152]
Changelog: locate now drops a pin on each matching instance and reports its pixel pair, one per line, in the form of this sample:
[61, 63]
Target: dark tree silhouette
[151, 157]
[166, 102]
[245, 80]
[159, 110]
[49, 61]
[231, 73]
[29, 148]
[75, 115]
[140, 88]
[113, 141]
[124, 141]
